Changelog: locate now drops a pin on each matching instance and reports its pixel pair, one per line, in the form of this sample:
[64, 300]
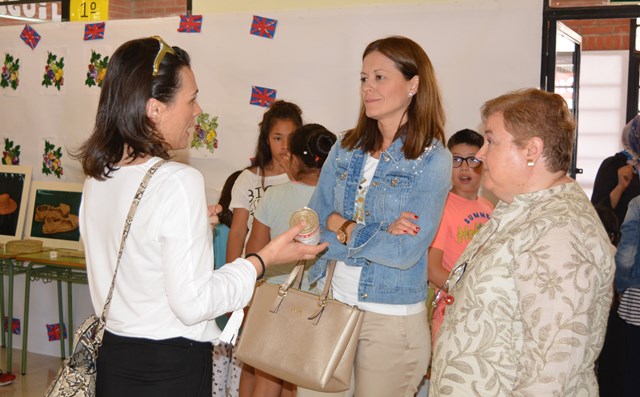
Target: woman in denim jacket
[627, 281]
[380, 199]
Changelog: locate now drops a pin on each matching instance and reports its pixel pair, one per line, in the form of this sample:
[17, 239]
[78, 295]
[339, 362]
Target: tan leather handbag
[305, 339]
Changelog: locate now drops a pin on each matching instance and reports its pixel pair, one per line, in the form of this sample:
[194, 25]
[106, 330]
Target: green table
[40, 266]
[8, 266]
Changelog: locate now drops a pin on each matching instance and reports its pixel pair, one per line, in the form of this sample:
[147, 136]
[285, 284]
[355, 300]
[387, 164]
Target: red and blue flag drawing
[30, 36]
[94, 31]
[54, 331]
[15, 325]
[190, 24]
[261, 96]
[264, 27]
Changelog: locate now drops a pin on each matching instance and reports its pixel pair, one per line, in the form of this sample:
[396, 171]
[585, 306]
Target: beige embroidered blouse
[530, 311]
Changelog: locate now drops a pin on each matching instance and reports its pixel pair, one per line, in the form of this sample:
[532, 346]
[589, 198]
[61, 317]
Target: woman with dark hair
[531, 292]
[380, 199]
[269, 168]
[309, 146]
[160, 324]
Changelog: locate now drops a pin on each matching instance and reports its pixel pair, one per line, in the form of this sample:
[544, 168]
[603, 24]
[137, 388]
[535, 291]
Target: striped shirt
[629, 309]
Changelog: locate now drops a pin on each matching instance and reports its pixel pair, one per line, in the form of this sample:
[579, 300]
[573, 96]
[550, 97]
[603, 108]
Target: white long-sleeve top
[166, 286]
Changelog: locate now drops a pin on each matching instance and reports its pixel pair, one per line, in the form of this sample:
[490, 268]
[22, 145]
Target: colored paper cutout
[11, 153]
[53, 71]
[263, 27]
[94, 31]
[55, 331]
[97, 69]
[190, 24]
[51, 163]
[262, 96]
[30, 36]
[15, 325]
[10, 76]
[205, 135]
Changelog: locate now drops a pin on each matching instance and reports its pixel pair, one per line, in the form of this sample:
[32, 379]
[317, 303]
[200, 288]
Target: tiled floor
[40, 373]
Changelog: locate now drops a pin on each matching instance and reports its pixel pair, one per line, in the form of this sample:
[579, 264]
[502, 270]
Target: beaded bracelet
[261, 263]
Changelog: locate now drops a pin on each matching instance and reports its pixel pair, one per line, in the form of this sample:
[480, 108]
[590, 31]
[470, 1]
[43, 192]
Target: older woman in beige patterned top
[531, 292]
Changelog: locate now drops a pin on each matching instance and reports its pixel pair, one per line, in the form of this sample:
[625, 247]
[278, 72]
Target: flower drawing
[53, 72]
[205, 135]
[97, 69]
[11, 153]
[10, 72]
[51, 163]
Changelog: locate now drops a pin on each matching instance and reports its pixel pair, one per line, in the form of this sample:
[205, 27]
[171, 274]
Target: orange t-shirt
[461, 220]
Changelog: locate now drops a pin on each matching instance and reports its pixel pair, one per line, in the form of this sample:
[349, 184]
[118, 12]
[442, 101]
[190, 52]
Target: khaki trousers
[392, 357]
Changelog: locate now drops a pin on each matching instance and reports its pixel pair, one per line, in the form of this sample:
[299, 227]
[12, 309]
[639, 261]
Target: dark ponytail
[311, 143]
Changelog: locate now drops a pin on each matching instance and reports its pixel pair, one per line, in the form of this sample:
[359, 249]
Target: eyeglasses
[472, 161]
[164, 48]
[454, 278]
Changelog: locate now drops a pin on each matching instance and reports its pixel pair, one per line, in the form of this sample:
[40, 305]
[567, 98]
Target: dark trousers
[632, 367]
[613, 356]
[143, 367]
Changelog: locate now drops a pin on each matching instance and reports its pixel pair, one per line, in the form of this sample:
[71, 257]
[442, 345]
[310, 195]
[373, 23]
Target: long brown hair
[425, 115]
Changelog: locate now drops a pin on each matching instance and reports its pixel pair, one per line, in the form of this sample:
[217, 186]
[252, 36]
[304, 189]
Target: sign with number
[89, 10]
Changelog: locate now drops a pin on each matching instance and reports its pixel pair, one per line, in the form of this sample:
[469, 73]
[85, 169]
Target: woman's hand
[624, 176]
[404, 225]
[212, 213]
[283, 249]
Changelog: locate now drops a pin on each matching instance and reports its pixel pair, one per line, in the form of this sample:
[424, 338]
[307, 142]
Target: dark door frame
[550, 17]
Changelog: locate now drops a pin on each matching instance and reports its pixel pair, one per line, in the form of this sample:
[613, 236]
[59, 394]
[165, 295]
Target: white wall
[480, 49]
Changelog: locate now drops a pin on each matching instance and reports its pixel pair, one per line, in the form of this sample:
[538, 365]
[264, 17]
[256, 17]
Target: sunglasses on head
[164, 49]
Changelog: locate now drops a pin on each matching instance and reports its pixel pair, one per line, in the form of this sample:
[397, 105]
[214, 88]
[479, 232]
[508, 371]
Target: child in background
[464, 213]
[226, 368]
[309, 146]
[268, 169]
[221, 223]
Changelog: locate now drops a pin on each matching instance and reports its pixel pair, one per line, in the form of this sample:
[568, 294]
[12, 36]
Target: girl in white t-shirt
[269, 168]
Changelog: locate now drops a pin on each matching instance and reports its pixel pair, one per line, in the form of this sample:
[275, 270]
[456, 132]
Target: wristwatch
[341, 234]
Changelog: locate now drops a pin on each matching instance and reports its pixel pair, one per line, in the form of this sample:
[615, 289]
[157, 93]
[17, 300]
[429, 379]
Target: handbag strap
[295, 278]
[125, 233]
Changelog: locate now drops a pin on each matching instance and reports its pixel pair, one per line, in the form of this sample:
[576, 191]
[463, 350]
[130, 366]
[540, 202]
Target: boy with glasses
[464, 213]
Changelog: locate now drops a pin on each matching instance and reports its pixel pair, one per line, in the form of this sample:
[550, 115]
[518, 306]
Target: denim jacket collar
[395, 150]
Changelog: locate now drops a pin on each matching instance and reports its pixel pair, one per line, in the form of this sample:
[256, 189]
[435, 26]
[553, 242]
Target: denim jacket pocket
[397, 187]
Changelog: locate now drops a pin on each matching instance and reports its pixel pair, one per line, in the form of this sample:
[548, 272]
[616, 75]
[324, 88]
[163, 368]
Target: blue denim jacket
[627, 257]
[394, 268]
